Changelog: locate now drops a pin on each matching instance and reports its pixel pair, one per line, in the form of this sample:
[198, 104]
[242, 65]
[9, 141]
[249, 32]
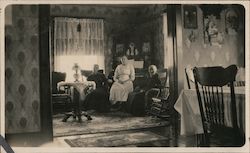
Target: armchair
[60, 98]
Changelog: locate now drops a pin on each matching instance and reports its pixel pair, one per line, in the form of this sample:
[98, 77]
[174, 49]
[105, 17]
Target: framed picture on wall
[146, 47]
[232, 22]
[190, 17]
[119, 49]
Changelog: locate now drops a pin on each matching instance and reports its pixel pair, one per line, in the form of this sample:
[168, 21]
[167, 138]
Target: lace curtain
[78, 36]
[78, 41]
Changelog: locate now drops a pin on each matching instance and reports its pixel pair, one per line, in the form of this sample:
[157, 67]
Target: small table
[78, 95]
[187, 106]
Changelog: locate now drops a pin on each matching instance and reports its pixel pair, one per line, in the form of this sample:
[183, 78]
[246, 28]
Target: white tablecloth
[79, 86]
[187, 106]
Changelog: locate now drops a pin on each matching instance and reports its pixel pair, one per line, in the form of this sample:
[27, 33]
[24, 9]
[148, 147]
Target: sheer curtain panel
[78, 41]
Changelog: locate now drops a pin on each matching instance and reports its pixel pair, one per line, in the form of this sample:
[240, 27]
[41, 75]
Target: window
[78, 41]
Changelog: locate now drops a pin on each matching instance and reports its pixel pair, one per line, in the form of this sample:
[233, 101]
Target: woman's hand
[110, 81]
[121, 82]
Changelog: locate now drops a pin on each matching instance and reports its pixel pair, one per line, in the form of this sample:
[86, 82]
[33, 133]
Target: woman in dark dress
[99, 98]
[153, 79]
[153, 82]
[141, 98]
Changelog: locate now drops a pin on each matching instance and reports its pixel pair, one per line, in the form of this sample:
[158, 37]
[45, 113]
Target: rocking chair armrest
[157, 90]
[156, 99]
[162, 87]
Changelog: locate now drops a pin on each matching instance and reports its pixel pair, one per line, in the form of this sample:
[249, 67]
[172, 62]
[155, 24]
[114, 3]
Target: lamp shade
[75, 67]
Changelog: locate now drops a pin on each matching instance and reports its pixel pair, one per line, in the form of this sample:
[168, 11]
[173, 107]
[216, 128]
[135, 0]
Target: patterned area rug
[117, 140]
[104, 122]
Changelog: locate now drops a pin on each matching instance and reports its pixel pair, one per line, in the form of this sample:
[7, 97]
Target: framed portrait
[146, 47]
[119, 49]
[190, 17]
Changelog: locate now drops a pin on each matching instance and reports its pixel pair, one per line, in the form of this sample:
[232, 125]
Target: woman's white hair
[152, 67]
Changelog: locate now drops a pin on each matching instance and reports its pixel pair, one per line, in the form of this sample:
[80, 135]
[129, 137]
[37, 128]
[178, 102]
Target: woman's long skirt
[119, 92]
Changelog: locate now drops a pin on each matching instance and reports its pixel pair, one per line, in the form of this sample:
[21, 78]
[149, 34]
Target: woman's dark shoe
[89, 117]
[116, 107]
[123, 107]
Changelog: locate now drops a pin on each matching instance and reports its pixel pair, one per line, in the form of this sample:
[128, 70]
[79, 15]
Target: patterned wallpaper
[109, 13]
[198, 53]
[158, 43]
[152, 31]
[108, 45]
[149, 13]
[22, 71]
[151, 28]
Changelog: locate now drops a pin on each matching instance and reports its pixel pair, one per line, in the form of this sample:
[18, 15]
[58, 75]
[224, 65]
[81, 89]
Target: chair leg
[198, 140]
[202, 140]
[74, 116]
[69, 103]
[66, 117]
[87, 115]
[66, 106]
[76, 112]
[79, 118]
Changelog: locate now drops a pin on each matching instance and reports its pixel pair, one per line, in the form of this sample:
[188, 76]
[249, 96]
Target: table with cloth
[80, 89]
[79, 86]
[188, 107]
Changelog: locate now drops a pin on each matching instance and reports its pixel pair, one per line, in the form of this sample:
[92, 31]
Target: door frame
[174, 58]
[174, 50]
[45, 74]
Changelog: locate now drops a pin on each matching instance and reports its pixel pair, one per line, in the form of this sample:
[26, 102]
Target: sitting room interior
[51, 50]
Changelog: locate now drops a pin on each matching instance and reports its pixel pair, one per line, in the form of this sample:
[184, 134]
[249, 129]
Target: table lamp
[76, 68]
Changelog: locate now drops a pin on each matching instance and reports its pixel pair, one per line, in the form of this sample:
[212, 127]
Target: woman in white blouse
[124, 76]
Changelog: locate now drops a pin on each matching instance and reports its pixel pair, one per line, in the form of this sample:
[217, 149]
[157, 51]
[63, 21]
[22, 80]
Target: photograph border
[244, 149]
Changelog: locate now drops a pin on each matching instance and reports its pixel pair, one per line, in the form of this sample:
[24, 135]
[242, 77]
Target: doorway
[171, 44]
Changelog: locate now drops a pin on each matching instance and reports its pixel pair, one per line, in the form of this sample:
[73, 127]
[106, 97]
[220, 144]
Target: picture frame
[119, 49]
[146, 47]
[190, 17]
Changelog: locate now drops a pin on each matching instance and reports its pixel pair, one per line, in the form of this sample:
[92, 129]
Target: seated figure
[153, 79]
[141, 98]
[111, 78]
[99, 98]
[124, 76]
[153, 82]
